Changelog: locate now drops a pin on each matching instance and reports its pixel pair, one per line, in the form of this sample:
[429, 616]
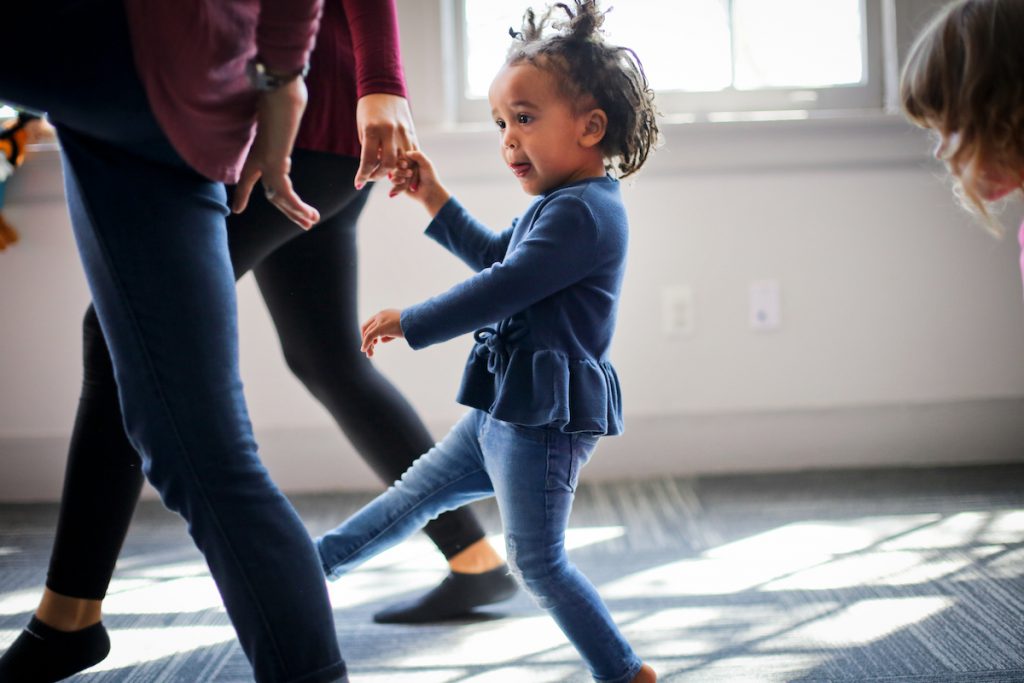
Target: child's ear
[595, 126]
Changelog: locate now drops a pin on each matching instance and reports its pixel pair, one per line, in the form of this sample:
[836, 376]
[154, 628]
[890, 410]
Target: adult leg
[102, 482]
[151, 237]
[535, 472]
[150, 233]
[319, 332]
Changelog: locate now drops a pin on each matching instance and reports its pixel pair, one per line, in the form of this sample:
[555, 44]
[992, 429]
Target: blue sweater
[552, 282]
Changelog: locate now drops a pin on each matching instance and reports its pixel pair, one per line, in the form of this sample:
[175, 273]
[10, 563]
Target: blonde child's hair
[965, 75]
[591, 71]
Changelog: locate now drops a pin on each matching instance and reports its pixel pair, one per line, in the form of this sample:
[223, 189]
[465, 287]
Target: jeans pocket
[583, 446]
[563, 463]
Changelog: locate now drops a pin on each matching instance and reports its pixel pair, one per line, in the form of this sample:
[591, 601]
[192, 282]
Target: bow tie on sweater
[497, 344]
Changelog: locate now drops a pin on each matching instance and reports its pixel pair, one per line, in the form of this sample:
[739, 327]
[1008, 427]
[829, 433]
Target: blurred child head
[964, 79]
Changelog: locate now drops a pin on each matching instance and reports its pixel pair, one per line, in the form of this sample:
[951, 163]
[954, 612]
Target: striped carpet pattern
[882, 575]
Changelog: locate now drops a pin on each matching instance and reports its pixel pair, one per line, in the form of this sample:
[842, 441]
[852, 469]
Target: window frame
[787, 102]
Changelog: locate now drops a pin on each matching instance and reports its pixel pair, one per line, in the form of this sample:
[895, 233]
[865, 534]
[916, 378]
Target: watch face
[257, 74]
[262, 79]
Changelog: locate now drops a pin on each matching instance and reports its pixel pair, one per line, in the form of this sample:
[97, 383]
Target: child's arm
[452, 227]
[560, 249]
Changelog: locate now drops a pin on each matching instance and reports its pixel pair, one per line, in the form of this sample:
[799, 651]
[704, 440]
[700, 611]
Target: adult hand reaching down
[269, 160]
[386, 132]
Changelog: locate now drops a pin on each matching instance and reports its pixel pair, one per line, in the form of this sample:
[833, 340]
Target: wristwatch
[261, 78]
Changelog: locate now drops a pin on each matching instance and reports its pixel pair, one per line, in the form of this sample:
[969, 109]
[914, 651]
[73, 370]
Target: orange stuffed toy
[14, 138]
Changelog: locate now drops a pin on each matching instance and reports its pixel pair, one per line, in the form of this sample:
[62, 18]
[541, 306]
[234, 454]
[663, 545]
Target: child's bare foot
[646, 675]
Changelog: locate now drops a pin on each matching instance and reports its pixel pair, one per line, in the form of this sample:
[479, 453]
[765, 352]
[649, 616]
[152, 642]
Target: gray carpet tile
[881, 575]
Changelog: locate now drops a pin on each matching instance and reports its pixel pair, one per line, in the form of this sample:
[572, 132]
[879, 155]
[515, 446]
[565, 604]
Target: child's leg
[534, 472]
[446, 477]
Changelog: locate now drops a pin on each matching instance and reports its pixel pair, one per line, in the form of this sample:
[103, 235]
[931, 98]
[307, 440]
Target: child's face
[990, 184]
[542, 140]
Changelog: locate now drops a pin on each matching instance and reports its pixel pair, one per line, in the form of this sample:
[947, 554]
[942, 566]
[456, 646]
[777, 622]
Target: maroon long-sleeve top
[191, 57]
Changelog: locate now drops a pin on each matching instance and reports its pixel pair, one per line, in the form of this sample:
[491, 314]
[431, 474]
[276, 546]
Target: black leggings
[308, 280]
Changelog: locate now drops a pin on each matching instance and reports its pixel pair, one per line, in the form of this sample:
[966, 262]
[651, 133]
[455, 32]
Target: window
[710, 56]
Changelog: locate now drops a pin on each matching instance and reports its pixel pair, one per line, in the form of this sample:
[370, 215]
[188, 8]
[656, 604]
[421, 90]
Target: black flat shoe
[454, 597]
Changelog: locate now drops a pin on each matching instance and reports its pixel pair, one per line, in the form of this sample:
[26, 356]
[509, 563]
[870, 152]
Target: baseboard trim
[904, 435]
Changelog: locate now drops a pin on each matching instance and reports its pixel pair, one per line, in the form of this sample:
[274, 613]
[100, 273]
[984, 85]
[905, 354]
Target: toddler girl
[568, 109]
[963, 80]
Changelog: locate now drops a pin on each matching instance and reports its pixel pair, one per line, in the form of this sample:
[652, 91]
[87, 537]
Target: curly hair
[591, 70]
[964, 76]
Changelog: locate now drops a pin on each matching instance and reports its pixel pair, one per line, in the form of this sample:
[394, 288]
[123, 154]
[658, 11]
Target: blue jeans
[152, 239]
[532, 473]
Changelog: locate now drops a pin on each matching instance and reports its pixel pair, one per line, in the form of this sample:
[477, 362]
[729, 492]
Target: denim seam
[635, 666]
[133, 321]
[630, 674]
[404, 515]
[334, 671]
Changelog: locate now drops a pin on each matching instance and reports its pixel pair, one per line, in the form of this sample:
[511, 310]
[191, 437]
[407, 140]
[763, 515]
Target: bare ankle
[65, 613]
[476, 558]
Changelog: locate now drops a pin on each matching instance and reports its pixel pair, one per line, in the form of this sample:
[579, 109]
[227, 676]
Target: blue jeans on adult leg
[533, 474]
[152, 239]
[151, 236]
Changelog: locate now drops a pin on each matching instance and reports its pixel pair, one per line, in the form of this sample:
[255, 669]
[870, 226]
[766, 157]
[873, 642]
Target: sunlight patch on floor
[369, 586]
[421, 676]
[131, 647]
[744, 669]
[711, 631]
[415, 565]
[812, 539]
[899, 568]
[964, 528]
[861, 623]
[778, 556]
[492, 643]
[7, 637]
[174, 596]
[533, 674]
[503, 674]
[173, 570]
[17, 602]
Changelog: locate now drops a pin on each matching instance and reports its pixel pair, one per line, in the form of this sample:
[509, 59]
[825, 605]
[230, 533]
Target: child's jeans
[532, 472]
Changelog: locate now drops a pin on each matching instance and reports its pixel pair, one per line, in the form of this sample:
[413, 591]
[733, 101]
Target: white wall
[902, 322]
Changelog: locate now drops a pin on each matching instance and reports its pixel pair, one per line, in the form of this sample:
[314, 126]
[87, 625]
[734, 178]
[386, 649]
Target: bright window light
[703, 45]
[798, 43]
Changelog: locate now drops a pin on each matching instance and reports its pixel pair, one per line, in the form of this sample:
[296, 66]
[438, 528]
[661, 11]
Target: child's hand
[405, 176]
[416, 177]
[383, 327]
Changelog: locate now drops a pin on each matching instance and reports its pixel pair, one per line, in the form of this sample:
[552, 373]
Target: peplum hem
[544, 388]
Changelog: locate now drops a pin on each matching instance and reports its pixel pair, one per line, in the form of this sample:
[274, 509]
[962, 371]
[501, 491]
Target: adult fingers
[368, 159]
[282, 195]
[248, 178]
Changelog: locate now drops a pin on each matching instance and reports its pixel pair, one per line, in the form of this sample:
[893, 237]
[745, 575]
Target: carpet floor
[892, 576]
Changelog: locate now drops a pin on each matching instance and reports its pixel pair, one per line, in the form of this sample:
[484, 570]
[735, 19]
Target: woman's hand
[383, 327]
[385, 132]
[416, 177]
[277, 122]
